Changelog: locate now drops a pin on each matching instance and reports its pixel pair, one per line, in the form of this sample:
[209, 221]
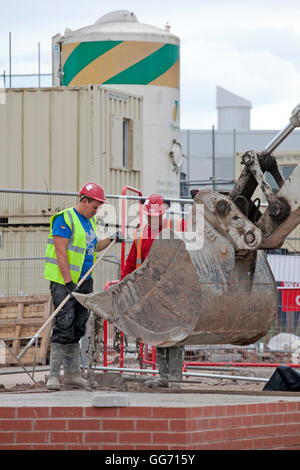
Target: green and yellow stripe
[120, 62]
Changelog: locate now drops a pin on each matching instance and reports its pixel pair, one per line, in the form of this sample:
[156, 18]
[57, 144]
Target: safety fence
[25, 80]
[24, 227]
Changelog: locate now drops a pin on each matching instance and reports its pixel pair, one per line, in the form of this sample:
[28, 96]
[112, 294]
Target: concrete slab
[83, 398]
[102, 400]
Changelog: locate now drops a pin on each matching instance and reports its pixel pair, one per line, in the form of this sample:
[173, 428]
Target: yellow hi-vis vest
[76, 248]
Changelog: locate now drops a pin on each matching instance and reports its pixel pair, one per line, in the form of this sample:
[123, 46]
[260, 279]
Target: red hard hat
[154, 205]
[94, 191]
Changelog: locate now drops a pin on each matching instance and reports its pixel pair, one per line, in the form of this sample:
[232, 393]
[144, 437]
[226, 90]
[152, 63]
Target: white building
[213, 155]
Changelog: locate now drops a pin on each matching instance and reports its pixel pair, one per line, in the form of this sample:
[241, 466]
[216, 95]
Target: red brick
[236, 421]
[252, 409]
[171, 438]
[16, 447]
[99, 437]
[202, 447]
[7, 412]
[291, 429]
[84, 424]
[219, 410]
[66, 411]
[101, 412]
[66, 437]
[267, 443]
[215, 435]
[241, 410]
[209, 411]
[34, 437]
[257, 419]
[219, 423]
[49, 424]
[231, 410]
[278, 418]
[36, 412]
[156, 447]
[202, 424]
[7, 437]
[180, 425]
[118, 425]
[269, 419]
[156, 424]
[48, 447]
[170, 413]
[242, 433]
[197, 412]
[136, 412]
[197, 437]
[256, 431]
[276, 407]
[291, 440]
[135, 437]
[82, 447]
[119, 447]
[15, 425]
[177, 447]
[246, 420]
[232, 433]
[292, 406]
[242, 445]
[262, 408]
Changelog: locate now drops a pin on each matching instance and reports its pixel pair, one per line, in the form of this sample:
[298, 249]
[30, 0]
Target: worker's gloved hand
[118, 236]
[71, 287]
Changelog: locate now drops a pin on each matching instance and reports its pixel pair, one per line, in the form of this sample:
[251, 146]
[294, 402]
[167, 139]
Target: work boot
[71, 363]
[56, 359]
[161, 357]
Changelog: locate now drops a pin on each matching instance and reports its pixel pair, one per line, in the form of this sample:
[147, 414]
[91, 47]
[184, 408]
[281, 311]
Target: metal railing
[24, 226]
[32, 80]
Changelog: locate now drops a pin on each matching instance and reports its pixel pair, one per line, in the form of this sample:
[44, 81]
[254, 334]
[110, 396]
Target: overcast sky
[249, 47]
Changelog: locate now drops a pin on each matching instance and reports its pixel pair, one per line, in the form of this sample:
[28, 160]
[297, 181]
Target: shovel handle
[65, 300]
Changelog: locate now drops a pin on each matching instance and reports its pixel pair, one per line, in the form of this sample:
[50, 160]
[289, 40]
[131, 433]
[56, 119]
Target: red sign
[290, 296]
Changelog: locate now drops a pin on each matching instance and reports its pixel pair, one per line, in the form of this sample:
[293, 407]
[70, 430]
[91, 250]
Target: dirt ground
[11, 382]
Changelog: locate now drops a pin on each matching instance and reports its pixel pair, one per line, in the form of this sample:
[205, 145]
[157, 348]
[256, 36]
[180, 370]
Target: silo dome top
[119, 15]
[119, 25]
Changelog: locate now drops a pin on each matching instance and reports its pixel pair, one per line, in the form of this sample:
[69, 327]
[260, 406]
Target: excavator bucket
[186, 294]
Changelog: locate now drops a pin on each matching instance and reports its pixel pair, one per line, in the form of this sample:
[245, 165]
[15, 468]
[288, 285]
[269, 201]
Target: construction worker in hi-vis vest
[71, 251]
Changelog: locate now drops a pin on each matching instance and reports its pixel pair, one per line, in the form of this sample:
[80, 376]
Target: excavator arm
[283, 212]
[211, 292]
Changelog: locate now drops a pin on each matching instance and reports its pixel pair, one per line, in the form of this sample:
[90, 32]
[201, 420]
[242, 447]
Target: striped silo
[121, 53]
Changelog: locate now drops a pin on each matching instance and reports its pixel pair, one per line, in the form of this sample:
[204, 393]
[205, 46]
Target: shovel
[64, 302]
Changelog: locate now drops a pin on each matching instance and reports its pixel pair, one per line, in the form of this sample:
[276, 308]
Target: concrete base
[70, 420]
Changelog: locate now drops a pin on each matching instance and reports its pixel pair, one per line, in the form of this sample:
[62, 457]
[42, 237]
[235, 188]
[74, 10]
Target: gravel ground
[11, 382]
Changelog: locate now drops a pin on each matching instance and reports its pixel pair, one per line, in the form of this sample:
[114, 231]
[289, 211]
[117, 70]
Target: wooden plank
[21, 317]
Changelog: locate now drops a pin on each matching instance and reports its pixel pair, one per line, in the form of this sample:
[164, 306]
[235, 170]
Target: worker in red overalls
[154, 207]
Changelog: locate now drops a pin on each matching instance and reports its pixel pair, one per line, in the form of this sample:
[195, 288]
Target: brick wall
[252, 426]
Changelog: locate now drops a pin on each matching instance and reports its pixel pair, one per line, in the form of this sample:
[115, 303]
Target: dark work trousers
[69, 324]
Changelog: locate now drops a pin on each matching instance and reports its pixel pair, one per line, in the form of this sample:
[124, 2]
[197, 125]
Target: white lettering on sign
[291, 284]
